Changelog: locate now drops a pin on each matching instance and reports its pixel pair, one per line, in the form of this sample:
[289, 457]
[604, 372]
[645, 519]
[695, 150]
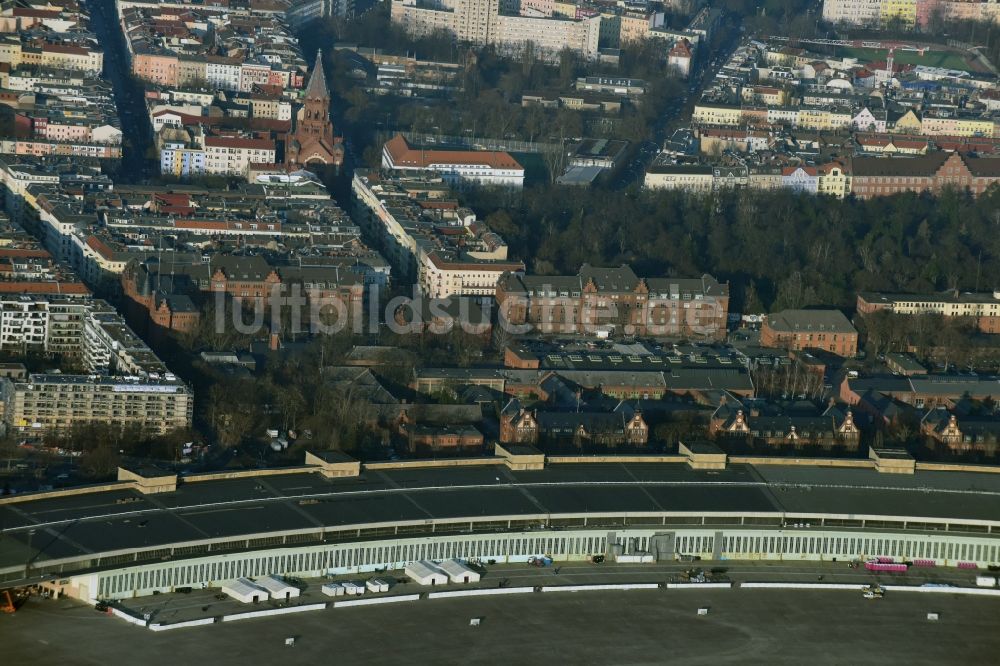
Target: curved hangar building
[149, 533]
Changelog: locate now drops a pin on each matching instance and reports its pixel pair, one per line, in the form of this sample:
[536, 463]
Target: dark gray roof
[813, 321]
[78, 528]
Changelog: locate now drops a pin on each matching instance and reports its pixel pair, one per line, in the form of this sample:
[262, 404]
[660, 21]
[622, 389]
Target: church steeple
[311, 140]
[317, 81]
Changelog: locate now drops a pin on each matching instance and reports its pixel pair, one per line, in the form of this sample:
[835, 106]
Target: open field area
[949, 59]
[638, 627]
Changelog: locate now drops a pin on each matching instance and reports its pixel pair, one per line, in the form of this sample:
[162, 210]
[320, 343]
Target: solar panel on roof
[576, 358]
[634, 359]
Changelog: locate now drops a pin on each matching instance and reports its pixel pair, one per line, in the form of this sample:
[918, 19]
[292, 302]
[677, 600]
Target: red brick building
[622, 427]
[828, 330]
[165, 299]
[615, 299]
[154, 302]
[879, 176]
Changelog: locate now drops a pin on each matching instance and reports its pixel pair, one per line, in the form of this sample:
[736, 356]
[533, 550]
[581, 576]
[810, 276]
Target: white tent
[459, 572]
[426, 573]
[245, 590]
[278, 588]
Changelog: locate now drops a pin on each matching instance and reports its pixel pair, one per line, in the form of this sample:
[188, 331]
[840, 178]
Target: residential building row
[50, 68]
[195, 46]
[427, 236]
[551, 27]
[908, 13]
[125, 383]
[99, 229]
[846, 118]
[193, 141]
[296, 13]
[482, 22]
[864, 176]
[76, 50]
[983, 308]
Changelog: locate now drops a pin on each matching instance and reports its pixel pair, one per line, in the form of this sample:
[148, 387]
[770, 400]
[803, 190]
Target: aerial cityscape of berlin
[440, 332]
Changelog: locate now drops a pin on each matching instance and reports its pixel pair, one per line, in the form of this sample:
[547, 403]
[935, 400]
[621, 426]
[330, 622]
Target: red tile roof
[238, 142]
[403, 155]
[68, 288]
[28, 254]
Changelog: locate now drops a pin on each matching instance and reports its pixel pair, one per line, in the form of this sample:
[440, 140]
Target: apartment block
[984, 308]
[58, 402]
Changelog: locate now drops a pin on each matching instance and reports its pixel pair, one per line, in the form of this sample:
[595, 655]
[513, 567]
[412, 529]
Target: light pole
[27, 560]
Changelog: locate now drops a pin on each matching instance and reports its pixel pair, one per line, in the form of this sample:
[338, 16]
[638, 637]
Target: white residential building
[232, 155]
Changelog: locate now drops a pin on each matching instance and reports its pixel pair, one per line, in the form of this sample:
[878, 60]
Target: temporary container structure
[353, 589]
[424, 572]
[278, 588]
[459, 572]
[378, 585]
[333, 589]
[245, 590]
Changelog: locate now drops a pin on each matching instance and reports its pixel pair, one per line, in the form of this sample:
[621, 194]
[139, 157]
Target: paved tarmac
[635, 627]
[172, 608]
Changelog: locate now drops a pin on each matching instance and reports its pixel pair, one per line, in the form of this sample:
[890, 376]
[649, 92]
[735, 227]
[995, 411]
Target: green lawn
[535, 170]
[948, 59]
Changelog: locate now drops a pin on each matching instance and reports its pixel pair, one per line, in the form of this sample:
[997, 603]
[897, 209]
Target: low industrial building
[424, 572]
[277, 588]
[459, 572]
[245, 591]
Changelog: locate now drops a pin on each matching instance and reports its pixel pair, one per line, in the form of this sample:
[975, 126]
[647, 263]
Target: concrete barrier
[588, 588]
[804, 586]
[377, 600]
[182, 625]
[272, 611]
[137, 621]
[943, 590]
[480, 593]
[699, 586]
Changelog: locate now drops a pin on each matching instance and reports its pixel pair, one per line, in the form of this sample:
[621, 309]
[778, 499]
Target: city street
[137, 137]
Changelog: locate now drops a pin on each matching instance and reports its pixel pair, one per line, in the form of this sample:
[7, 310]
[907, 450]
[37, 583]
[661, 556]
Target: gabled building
[624, 426]
[679, 58]
[961, 434]
[735, 423]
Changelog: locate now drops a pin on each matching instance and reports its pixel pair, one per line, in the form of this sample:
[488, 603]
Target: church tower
[311, 141]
